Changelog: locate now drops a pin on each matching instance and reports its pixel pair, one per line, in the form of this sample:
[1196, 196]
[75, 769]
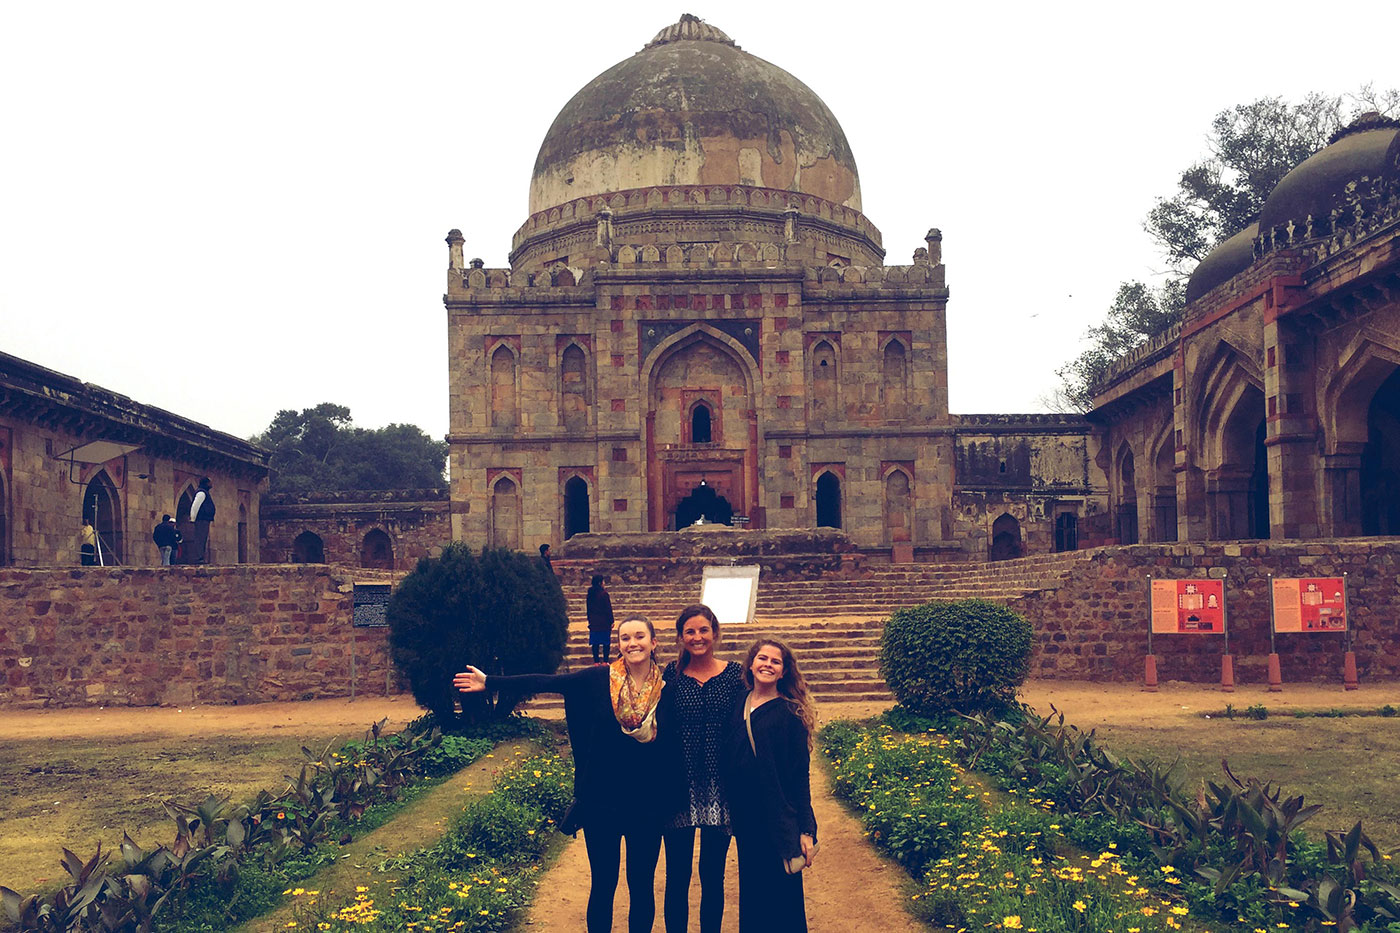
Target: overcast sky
[224, 210]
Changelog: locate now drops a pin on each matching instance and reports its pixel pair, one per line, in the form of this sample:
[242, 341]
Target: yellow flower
[1080, 906]
[1011, 921]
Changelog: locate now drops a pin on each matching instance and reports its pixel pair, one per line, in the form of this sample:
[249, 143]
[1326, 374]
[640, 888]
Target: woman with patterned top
[705, 689]
[626, 764]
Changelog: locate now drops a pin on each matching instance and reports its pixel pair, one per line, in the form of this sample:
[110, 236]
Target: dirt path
[419, 824]
[850, 889]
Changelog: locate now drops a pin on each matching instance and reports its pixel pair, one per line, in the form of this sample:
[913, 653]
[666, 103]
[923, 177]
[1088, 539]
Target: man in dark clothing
[545, 559]
[600, 621]
[167, 537]
[202, 514]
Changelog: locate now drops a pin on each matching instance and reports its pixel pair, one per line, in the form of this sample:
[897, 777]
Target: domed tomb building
[1273, 411]
[698, 322]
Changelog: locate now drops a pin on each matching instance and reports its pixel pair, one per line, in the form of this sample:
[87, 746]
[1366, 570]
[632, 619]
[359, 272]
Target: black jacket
[770, 795]
[166, 535]
[618, 782]
[600, 611]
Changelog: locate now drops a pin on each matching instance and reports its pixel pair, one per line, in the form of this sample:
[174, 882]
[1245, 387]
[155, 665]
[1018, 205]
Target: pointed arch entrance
[576, 510]
[377, 550]
[701, 428]
[308, 548]
[1380, 461]
[705, 502]
[828, 500]
[1006, 538]
[102, 507]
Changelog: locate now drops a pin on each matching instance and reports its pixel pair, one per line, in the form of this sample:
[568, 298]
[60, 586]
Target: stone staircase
[832, 624]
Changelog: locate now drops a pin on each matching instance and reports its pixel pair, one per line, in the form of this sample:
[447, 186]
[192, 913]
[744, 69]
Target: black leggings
[643, 849]
[680, 848]
[770, 900]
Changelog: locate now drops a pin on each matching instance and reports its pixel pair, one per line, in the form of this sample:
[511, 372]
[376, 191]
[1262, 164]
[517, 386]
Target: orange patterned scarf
[635, 708]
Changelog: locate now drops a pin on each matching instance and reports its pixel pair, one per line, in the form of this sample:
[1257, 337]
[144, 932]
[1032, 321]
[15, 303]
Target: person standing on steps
[600, 620]
[766, 757]
[626, 765]
[706, 690]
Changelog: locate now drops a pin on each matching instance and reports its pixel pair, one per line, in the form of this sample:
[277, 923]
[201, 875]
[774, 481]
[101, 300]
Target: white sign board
[731, 592]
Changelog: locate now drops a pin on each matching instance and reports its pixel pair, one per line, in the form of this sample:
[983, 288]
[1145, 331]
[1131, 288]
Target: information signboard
[1188, 607]
[730, 592]
[1309, 604]
[371, 605]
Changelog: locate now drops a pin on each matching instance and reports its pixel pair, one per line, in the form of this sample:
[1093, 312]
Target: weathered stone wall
[139, 637]
[414, 521]
[1095, 626]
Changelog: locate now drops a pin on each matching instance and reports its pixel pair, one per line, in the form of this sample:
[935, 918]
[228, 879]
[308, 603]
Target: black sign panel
[371, 604]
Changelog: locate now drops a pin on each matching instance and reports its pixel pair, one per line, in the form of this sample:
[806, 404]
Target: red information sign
[1310, 604]
[1188, 607]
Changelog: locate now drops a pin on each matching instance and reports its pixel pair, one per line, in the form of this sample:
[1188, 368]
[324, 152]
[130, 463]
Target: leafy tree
[499, 610]
[320, 450]
[1249, 150]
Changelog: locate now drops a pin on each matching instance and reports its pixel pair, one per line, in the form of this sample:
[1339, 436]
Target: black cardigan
[619, 783]
[770, 796]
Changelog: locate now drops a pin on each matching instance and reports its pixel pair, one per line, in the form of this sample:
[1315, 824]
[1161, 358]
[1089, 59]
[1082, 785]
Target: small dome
[1223, 263]
[1323, 182]
[692, 108]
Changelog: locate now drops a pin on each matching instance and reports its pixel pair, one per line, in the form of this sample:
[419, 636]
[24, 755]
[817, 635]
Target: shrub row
[985, 862]
[477, 878]
[229, 862]
[1237, 846]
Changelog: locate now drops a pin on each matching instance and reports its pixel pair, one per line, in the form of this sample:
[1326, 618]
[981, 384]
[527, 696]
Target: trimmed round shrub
[962, 656]
[499, 610]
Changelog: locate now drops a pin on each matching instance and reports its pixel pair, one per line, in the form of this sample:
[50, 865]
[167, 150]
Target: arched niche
[824, 380]
[506, 514]
[308, 548]
[701, 423]
[574, 388]
[1006, 538]
[377, 550]
[894, 378]
[1126, 517]
[1164, 522]
[898, 507]
[504, 405]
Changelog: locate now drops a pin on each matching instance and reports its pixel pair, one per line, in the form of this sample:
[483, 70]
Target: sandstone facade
[69, 449]
[390, 530]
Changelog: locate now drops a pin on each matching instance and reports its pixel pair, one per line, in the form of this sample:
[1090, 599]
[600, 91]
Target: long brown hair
[617, 630]
[792, 686]
[688, 613]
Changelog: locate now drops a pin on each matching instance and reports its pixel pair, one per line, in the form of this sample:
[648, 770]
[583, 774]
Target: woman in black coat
[626, 765]
[767, 753]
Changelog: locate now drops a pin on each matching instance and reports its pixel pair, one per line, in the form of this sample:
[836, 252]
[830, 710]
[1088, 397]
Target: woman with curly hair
[767, 755]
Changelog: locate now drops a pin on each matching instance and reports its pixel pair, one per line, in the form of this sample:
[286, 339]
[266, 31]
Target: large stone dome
[692, 108]
[1329, 180]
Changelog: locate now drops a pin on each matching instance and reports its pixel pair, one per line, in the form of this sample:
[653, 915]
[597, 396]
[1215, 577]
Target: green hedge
[963, 656]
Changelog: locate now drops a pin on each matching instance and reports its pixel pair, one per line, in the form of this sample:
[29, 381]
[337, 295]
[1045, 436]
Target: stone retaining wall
[1094, 626]
[180, 635]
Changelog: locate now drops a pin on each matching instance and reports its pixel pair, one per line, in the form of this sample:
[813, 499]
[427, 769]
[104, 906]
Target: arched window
[828, 500]
[895, 378]
[824, 380]
[505, 514]
[898, 510]
[1066, 532]
[700, 424]
[102, 507]
[308, 549]
[1006, 538]
[575, 507]
[573, 387]
[377, 550]
[503, 404]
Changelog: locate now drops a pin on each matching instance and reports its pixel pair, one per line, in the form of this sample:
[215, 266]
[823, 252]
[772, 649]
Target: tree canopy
[320, 450]
[1250, 148]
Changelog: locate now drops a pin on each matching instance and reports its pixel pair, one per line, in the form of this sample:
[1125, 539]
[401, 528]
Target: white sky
[224, 210]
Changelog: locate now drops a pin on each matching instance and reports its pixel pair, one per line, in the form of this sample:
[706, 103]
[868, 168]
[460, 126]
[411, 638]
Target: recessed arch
[575, 390]
[506, 514]
[308, 548]
[5, 511]
[828, 500]
[1126, 514]
[1380, 461]
[898, 506]
[576, 506]
[894, 377]
[700, 423]
[825, 380]
[377, 550]
[1006, 538]
[102, 506]
[1162, 487]
[688, 336]
[504, 405]
[1365, 367]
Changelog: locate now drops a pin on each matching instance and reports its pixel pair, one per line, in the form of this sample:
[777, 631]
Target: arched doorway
[1259, 485]
[102, 507]
[1006, 538]
[899, 521]
[1164, 493]
[242, 533]
[703, 502]
[4, 522]
[182, 521]
[575, 507]
[1380, 461]
[308, 549]
[377, 550]
[1066, 532]
[828, 501]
